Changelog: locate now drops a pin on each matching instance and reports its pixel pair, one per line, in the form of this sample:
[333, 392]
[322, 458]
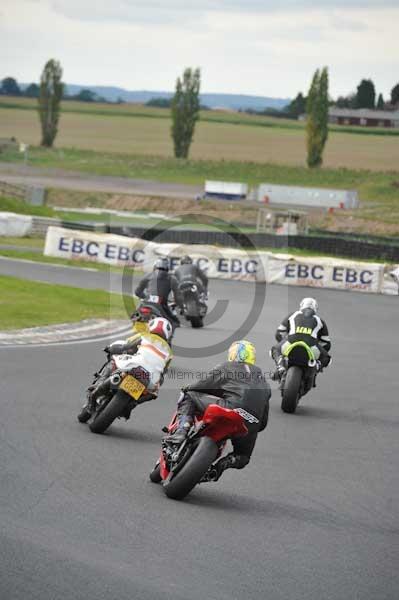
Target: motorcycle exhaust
[115, 379]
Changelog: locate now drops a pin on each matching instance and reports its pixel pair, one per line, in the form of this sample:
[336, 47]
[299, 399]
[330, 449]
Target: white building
[365, 117]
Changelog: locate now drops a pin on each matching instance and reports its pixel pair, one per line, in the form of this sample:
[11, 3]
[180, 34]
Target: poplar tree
[185, 111]
[317, 118]
[51, 90]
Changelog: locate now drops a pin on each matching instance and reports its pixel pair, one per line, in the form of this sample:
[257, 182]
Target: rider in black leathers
[188, 271]
[156, 287]
[237, 383]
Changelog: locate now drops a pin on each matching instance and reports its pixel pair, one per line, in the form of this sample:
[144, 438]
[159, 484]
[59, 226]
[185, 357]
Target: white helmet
[309, 303]
[161, 327]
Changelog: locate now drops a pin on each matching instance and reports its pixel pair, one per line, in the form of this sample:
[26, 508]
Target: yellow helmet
[242, 351]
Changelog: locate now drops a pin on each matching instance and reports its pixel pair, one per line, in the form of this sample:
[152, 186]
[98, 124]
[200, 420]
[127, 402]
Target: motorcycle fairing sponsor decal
[246, 415]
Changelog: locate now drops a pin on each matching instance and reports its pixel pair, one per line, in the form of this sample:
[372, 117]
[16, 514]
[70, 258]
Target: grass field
[139, 130]
[29, 304]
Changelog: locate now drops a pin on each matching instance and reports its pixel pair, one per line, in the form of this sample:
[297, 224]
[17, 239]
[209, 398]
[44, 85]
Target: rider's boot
[184, 423]
[280, 370]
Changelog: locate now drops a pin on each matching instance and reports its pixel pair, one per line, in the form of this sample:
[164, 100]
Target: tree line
[364, 97]
[10, 87]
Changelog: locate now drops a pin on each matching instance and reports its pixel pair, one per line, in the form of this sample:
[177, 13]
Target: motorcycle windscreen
[222, 423]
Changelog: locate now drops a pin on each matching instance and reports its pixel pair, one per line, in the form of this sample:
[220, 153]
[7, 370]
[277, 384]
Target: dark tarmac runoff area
[314, 516]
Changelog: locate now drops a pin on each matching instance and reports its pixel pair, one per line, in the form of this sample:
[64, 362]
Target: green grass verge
[371, 185]
[23, 208]
[148, 222]
[36, 242]
[20, 207]
[29, 304]
[40, 258]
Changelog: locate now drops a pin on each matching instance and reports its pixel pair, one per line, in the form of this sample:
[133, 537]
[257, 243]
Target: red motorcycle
[181, 467]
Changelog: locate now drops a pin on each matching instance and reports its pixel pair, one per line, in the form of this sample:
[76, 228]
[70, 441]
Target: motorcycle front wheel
[155, 475]
[114, 409]
[195, 468]
[84, 415]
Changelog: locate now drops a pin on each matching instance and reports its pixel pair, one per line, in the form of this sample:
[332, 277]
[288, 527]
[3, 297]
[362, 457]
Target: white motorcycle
[118, 387]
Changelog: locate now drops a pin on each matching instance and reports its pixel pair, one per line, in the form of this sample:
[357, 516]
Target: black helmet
[186, 260]
[162, 264]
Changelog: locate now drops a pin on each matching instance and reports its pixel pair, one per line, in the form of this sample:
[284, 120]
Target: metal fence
[336, 246]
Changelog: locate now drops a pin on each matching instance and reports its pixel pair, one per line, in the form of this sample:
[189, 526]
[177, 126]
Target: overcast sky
[262, 47]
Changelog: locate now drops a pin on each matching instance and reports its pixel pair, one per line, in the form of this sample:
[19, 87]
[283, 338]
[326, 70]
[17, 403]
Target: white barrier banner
[391, 280]
[13, 225]
[118, 250]
[220, 263]
[325, 272]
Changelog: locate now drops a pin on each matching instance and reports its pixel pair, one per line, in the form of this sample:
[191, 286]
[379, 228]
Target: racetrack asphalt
[315, 515]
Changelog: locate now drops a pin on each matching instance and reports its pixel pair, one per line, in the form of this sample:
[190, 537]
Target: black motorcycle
[299, 376]
[193, 302]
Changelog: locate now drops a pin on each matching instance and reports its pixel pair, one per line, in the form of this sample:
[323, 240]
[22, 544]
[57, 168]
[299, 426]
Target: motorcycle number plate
[132, 386]
[153, 298]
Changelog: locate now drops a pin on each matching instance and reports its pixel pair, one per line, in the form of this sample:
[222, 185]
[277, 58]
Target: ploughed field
[219, 135]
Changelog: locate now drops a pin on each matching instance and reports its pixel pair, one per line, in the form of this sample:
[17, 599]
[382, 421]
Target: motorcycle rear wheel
[291, 389]
[197, 322]
[192, 314]
[114, 409]
[195, 468]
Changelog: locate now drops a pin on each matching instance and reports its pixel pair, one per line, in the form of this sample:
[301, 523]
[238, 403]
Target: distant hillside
[229, 101]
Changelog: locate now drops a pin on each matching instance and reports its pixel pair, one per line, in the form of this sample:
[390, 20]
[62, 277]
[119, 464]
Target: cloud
[344, 24]
[169, 12]
[243, 47]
